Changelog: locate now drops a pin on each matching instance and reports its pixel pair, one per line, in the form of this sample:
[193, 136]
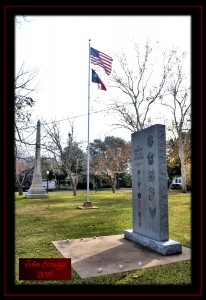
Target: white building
[176, 182]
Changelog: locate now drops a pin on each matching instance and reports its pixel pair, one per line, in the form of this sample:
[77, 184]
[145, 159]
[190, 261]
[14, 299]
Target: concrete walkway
[97, 256]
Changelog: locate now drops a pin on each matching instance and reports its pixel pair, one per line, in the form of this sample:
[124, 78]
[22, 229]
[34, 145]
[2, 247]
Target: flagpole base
[87, 205]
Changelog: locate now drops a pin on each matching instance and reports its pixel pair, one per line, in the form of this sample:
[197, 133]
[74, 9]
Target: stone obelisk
[37, 190]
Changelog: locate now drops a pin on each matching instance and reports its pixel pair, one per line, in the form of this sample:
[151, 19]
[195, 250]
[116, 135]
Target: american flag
[101, 59]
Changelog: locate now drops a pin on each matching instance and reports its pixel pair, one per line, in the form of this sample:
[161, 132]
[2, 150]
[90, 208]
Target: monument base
[165, 247]
[36, 190]
[36, 196]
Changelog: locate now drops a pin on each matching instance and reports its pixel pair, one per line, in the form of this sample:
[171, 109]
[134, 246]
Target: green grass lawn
[38, 222]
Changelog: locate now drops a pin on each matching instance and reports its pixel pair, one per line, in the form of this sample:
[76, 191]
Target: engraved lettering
[151, 193]
[150, 157]
[151, 176]
[150, 141]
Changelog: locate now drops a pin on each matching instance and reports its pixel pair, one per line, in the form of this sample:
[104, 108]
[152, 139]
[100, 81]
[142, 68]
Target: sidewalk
[97, 256]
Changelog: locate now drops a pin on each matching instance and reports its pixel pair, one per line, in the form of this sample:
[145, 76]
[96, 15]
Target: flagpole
[88, 152]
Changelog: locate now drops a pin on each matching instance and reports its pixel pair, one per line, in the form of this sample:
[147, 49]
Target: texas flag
[96, 79]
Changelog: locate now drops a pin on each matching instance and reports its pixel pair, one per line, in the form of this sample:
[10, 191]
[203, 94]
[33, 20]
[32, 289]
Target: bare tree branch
[140, 86]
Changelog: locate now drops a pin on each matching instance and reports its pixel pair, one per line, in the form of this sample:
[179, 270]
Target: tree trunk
[113, 184]
[74, 189]
[20, 190]
[58, 184]
[117, 181]
[74, 185]
[100, 183]
[183, 169]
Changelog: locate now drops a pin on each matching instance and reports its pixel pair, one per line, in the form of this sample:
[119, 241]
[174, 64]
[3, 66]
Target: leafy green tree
[173, 160]
[126, 179]
[109, 158]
